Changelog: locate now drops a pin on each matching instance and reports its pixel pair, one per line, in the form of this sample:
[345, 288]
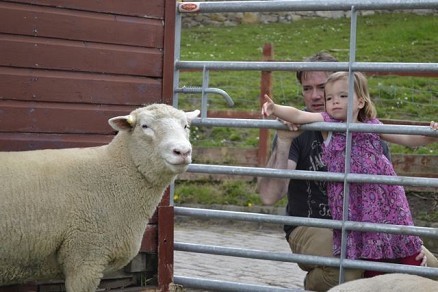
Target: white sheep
[74, 214]
[389, 282]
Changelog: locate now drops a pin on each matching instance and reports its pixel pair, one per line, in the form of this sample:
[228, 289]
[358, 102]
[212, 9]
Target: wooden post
[165, 243]
[265, 88]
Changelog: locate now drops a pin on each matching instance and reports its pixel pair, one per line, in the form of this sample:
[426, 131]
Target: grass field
[395, 37]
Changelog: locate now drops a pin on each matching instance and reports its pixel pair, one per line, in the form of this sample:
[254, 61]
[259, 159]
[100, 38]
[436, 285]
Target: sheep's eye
[144, 126]
[187, 127]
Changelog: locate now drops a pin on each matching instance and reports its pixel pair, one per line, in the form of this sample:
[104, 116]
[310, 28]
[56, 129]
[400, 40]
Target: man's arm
[273, 189]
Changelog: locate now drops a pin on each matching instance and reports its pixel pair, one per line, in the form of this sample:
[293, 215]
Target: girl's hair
[361, 89]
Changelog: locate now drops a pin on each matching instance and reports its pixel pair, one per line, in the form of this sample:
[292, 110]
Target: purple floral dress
[377, 203]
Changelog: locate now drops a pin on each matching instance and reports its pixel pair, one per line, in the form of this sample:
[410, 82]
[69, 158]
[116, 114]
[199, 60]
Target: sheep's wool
[389, 282]
[74, 214]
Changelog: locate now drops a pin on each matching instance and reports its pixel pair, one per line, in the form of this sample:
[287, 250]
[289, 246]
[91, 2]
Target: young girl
[369, 202]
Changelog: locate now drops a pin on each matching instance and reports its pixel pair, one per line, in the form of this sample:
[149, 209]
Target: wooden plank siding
[50, 86]
[66, 67]
[39, 21]
[79, 56]
[145, 8]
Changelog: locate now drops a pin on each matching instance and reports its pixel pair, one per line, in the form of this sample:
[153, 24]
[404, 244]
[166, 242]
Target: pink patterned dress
[377, 203]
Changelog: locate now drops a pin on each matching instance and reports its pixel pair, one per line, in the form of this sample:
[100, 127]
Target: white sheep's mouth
[178, 167]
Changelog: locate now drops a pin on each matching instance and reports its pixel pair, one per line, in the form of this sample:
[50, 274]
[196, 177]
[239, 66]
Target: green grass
[234, 192]
[394, 37]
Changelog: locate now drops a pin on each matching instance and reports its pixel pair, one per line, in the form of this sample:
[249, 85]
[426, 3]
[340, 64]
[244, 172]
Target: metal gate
[350, 66]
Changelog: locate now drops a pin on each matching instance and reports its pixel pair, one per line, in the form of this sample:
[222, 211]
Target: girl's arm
[288, 113]
[411, 140]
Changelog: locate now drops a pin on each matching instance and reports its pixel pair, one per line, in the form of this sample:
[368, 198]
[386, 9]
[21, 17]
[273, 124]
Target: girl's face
[336, 100]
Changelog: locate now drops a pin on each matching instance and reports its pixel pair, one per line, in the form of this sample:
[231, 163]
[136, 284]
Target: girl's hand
[267, 107]
[434, 125]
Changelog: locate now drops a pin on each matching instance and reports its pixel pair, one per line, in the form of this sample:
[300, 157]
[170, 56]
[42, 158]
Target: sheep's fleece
[74, 214]
[389, 282]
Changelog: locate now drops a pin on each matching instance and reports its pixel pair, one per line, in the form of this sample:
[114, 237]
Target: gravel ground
[239, 235]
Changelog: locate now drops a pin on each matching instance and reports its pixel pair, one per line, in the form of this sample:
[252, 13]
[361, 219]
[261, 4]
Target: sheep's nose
[182, 152]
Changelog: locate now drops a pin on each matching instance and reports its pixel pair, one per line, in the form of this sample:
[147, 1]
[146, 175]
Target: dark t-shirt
[307, 198]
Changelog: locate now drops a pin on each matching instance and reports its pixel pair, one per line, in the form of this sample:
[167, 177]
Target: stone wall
[233, 19]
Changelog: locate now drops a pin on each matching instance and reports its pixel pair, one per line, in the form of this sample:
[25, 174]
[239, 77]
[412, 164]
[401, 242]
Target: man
[307, 198]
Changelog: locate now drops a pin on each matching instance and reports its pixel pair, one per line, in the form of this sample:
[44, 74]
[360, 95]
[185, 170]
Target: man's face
[313, 90]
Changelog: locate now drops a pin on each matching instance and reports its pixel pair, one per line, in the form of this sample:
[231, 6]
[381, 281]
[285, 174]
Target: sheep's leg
[83, 274]
[83, 279]
[83, 264]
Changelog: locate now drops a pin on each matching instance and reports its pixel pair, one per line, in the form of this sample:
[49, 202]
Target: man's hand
[422, 257]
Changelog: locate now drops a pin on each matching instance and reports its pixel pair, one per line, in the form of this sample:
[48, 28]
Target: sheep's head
[158, 137]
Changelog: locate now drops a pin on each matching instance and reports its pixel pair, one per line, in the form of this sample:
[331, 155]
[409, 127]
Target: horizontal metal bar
[271, 6]
[304, 221]
[313, 175]
[302, 259]
[221, 285]
[309, 66]
[317, 126]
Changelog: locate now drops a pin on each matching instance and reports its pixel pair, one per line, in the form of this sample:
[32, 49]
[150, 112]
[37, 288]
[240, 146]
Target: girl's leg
[410, 260]
[370, 273]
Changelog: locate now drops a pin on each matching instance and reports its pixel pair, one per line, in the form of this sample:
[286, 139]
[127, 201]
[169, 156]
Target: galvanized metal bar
[219, 91]
[204, 94]
[274, 6]
[221, 285]
[348, 133]
[318, 126]
[301, 259]
[304, 221]
[431, 68]
[177, 53]
[313, 175]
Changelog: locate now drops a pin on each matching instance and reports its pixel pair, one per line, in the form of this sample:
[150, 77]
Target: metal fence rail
[310, 175]
[201, 283]
[275, 6]
[351, 66]
[300, 66]
[304, 221]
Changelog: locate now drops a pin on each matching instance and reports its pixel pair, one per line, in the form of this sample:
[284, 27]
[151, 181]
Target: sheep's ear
[192, 115]
[122, 123]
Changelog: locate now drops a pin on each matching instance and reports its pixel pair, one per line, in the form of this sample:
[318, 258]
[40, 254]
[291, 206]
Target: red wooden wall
[66, 67]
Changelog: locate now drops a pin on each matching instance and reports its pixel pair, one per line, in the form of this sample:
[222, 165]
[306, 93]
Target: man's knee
[350, 275]
[321, 279]
[324, 278]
